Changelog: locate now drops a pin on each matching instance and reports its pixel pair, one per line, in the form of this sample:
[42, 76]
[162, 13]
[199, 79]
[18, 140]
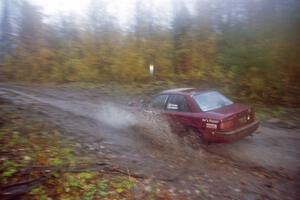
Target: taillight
[227, 125]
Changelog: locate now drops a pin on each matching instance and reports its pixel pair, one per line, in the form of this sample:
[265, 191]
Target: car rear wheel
[193, 138]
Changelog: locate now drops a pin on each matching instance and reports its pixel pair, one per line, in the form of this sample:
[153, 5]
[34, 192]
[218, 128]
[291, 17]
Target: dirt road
[265, 166]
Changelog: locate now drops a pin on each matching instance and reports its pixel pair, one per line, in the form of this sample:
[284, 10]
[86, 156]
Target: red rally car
[206, 114]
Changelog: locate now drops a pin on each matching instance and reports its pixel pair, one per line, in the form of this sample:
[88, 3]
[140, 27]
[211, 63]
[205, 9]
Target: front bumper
[231, 136]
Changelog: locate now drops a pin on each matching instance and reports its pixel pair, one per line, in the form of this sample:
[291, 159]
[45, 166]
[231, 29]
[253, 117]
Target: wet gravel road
[105, 123]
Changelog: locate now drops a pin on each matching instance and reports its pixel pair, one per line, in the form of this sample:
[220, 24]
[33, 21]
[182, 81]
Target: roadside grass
[265, 113]
[30, 150]
[131, 90]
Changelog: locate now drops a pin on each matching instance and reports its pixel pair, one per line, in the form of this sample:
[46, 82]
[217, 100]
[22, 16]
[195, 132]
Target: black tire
[193, 138]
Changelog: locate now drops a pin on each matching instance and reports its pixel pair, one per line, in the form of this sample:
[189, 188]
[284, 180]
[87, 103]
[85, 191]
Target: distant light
[151, 69]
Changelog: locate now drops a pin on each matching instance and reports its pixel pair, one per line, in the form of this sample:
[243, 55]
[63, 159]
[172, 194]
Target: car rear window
[211, 100]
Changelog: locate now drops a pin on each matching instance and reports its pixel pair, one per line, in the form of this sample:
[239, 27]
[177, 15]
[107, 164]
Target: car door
[178, 111]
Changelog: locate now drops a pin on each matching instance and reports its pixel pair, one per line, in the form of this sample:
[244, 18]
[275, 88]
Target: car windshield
[211, 100]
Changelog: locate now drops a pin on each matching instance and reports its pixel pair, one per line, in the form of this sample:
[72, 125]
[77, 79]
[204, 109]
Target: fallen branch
[16, 190]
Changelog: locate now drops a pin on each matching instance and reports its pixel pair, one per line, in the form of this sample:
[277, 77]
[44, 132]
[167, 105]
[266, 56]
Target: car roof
[185, 91]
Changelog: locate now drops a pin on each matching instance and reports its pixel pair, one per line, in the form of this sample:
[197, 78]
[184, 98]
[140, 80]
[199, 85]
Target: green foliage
[85, 176]
[55, 161]
[40, 193]
[9, 169]
[264, 113]
[91, 184]
[10, 172]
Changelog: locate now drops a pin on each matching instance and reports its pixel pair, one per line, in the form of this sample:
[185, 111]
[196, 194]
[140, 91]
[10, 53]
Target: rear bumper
[231, 136]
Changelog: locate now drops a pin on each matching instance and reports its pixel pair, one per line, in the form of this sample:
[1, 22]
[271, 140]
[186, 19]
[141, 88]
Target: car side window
[159, 101]
[177, 103]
